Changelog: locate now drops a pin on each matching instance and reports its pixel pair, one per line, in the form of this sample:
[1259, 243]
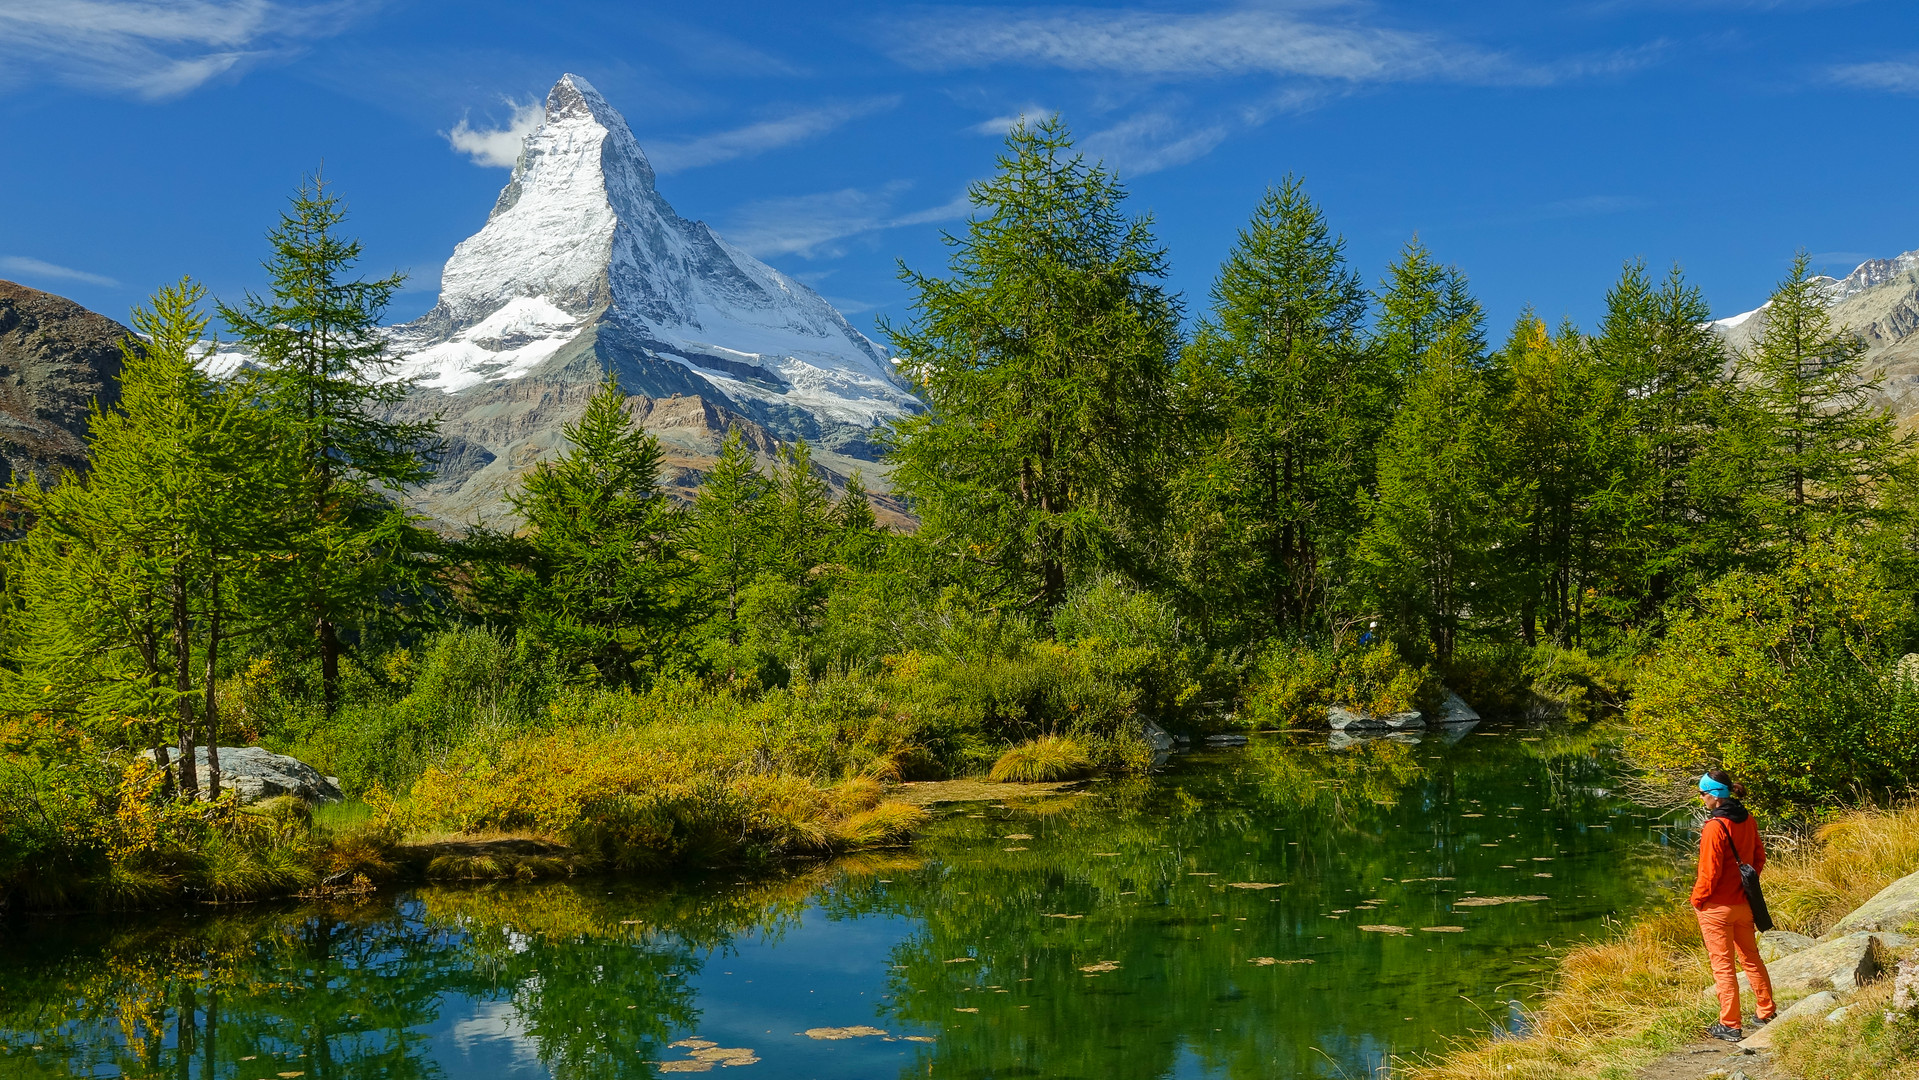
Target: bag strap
[1737, 862]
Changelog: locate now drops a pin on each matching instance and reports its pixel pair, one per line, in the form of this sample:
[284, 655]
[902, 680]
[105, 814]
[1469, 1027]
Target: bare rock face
[56, 359]
[1879, 301]
[1894, 908]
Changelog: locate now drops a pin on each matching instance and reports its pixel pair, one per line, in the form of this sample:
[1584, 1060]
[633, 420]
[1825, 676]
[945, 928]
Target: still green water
[1277, 910]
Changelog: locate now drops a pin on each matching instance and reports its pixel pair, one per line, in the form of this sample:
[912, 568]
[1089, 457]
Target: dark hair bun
[1724, 777]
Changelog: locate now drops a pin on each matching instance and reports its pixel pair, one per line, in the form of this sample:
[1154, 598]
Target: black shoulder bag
[1749, 881]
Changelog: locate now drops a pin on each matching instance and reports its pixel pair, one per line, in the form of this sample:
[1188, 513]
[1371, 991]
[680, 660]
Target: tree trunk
[183, 687]
[212, 708]
[329, 663]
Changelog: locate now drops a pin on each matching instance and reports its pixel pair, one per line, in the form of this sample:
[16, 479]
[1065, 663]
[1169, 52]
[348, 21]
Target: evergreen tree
[599, 584]
[1566, 465]
[139, 571]
[1810, 448]
[1658, 348]
[320, 368]
[1432, 528]
[1044, 359]
[1282, 405]
[728, 533]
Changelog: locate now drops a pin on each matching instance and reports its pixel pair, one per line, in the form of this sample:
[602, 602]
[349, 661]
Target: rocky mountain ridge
[56, 359]
[1879, 301]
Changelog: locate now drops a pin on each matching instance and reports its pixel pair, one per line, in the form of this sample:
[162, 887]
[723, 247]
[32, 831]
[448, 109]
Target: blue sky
[1535, 145]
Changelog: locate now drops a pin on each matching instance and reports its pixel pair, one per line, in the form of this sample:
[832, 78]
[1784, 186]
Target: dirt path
[1715, 1059]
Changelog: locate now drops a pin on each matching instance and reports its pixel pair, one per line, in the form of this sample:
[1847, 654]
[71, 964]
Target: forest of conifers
[1308, 489]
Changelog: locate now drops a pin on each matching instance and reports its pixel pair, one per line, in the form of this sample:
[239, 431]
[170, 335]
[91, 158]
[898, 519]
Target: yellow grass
[1047, 758]
[1616, 1004]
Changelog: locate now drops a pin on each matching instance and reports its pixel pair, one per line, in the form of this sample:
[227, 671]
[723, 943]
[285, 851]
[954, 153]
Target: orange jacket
[1718, 881]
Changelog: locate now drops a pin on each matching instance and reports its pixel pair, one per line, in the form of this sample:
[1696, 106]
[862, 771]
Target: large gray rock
[1775, 945]
[1340, 718]
[1843, 964]
[1817, 1005]
[1455, 711]
[1894, 908]
[257, 773]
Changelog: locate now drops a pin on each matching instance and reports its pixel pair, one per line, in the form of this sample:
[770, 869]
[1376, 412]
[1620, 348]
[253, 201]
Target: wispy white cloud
[998, 126]
[1898, 76]
[38, 269]
[498, 147]
[1154, 140]
[1164, 46]
[757, 138]
[820, 225]
[155, 49]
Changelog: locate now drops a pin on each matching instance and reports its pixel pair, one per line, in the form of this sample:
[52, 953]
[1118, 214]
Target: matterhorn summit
[583, 268]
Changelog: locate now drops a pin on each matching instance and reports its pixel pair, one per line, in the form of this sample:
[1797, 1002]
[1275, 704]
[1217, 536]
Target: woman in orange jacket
[1725, 920]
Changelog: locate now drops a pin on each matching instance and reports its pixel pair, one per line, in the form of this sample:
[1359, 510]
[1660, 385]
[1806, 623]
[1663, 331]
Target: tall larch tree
[321, 365]
[1044, 358]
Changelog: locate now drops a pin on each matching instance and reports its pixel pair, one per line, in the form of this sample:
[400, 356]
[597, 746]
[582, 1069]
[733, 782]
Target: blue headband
[1713, 787]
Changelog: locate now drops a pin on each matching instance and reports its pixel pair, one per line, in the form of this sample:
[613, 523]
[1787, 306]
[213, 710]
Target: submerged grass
[1617, 1004]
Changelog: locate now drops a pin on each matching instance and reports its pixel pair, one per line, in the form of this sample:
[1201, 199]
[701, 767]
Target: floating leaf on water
[1542, 858]
[919, 1038]
[966, 1010]
[1444, 929]
[1257, 884]
[1494, 901]
[1105, 854]
[1065, 916]
[1472, 815]
[1267, 961]
[1018, 836]
[854, 1032]
[693, 1044]
[726, 1055]
[1203, 873]
[1102, 966]
[1386, 929]
[731, 1062]
[955, 960]
[629, 922]
[684, 1065]
[1542, 875]
[1013, 849]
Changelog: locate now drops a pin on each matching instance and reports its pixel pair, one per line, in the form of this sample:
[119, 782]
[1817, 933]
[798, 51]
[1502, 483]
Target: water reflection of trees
[1137, 874]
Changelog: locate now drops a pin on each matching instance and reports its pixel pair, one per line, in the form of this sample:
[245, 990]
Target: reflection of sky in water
[585, 980]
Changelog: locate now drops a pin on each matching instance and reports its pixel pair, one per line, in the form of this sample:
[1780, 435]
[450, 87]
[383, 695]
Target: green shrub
[1292, 685]
[1538, 682]
[1789, 680]
[1135, 639]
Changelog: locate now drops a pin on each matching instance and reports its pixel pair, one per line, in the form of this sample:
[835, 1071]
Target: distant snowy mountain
[1879, 301]
[583, 268]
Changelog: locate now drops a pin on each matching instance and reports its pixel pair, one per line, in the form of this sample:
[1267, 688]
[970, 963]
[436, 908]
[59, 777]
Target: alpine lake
[1280, 909]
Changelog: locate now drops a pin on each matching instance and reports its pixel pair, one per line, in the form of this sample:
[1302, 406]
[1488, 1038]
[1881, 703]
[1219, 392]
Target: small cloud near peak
[498, 147]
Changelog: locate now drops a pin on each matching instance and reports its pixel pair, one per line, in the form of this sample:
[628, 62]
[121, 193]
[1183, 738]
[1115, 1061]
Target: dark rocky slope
[56, 359]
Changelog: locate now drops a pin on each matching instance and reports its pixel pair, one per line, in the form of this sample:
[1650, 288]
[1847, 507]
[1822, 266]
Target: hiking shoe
[1729, 1034]
[1762, 1021]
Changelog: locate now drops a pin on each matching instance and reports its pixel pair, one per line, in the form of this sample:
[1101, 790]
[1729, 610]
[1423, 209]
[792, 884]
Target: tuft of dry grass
[1042, 760]
[1853, 858]
[886, 823]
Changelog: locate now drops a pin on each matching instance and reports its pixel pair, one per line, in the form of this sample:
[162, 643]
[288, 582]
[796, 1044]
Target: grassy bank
[1620, 1003]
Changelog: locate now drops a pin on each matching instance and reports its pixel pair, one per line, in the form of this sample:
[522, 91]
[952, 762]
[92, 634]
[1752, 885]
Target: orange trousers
[1729, 930]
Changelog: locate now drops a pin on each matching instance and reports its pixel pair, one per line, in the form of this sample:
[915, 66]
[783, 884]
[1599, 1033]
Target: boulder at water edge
[1456, 711]
[1893, 908]
[257, 773]
[1340, 718]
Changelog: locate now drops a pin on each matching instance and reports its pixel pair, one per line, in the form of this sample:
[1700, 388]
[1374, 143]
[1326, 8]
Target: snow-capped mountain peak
[580, 240]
